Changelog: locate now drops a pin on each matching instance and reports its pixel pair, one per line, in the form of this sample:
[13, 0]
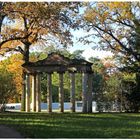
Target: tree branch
[18, 49]
[15, 38]
[128, 50]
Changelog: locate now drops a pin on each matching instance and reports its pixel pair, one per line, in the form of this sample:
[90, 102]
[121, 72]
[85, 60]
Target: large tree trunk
[26, 52]
[2, 15]
[26, 60]
[1, 20]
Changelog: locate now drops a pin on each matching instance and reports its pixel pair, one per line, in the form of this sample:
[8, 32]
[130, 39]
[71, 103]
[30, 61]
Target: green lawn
[77, 125]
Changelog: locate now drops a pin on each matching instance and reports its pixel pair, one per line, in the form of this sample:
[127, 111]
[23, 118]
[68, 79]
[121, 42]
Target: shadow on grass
[74, 125]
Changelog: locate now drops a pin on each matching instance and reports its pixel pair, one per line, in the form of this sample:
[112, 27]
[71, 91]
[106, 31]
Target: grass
[74, 125]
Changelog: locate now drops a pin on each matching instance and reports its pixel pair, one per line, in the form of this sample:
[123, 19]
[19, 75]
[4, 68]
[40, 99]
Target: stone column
[84, 92]
[23, 96]
[49, 92]
[72, 91]
[90, 78]
[34, 92]
[38, 96]
[27, 93]
[61, 93]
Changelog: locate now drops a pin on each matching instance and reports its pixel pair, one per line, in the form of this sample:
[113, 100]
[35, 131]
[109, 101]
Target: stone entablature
[58, 63]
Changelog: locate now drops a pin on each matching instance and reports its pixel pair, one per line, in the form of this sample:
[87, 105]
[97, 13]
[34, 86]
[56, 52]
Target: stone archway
[60, 64]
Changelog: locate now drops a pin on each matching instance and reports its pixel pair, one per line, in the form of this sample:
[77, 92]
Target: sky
[88, 51]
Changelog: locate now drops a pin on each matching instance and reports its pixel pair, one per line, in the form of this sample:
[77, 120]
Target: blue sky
[88, 51]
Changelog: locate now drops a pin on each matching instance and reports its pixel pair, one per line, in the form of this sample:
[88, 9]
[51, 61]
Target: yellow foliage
[123, 8]
[12, 65]
[16, 68]
[11, 44]
[105, 10]
[90, 15]
[129, 76]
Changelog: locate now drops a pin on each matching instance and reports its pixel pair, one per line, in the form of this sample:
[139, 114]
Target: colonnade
[36, 92]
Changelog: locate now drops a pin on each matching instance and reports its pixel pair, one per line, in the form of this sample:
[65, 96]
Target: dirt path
[6, 132]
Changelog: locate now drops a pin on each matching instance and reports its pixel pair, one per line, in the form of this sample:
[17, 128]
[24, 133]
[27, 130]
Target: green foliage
[131, 66]
[7, 86]
[55, 87]
[130, 90]
[78, 86]
[113, 91]
[77, 54]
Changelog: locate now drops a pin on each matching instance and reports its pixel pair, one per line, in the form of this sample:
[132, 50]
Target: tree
[130, 94]
[14, 67]
[117, 25]
[114, 22]
[7, 88]
[113, 89]
[31, 23]
[107, 82]
[98, 82]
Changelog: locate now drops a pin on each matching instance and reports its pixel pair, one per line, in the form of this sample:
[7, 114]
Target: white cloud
[89, 52]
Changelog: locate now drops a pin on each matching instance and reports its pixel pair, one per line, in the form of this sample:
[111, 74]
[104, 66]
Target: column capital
[34, 73]
[28, 74]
